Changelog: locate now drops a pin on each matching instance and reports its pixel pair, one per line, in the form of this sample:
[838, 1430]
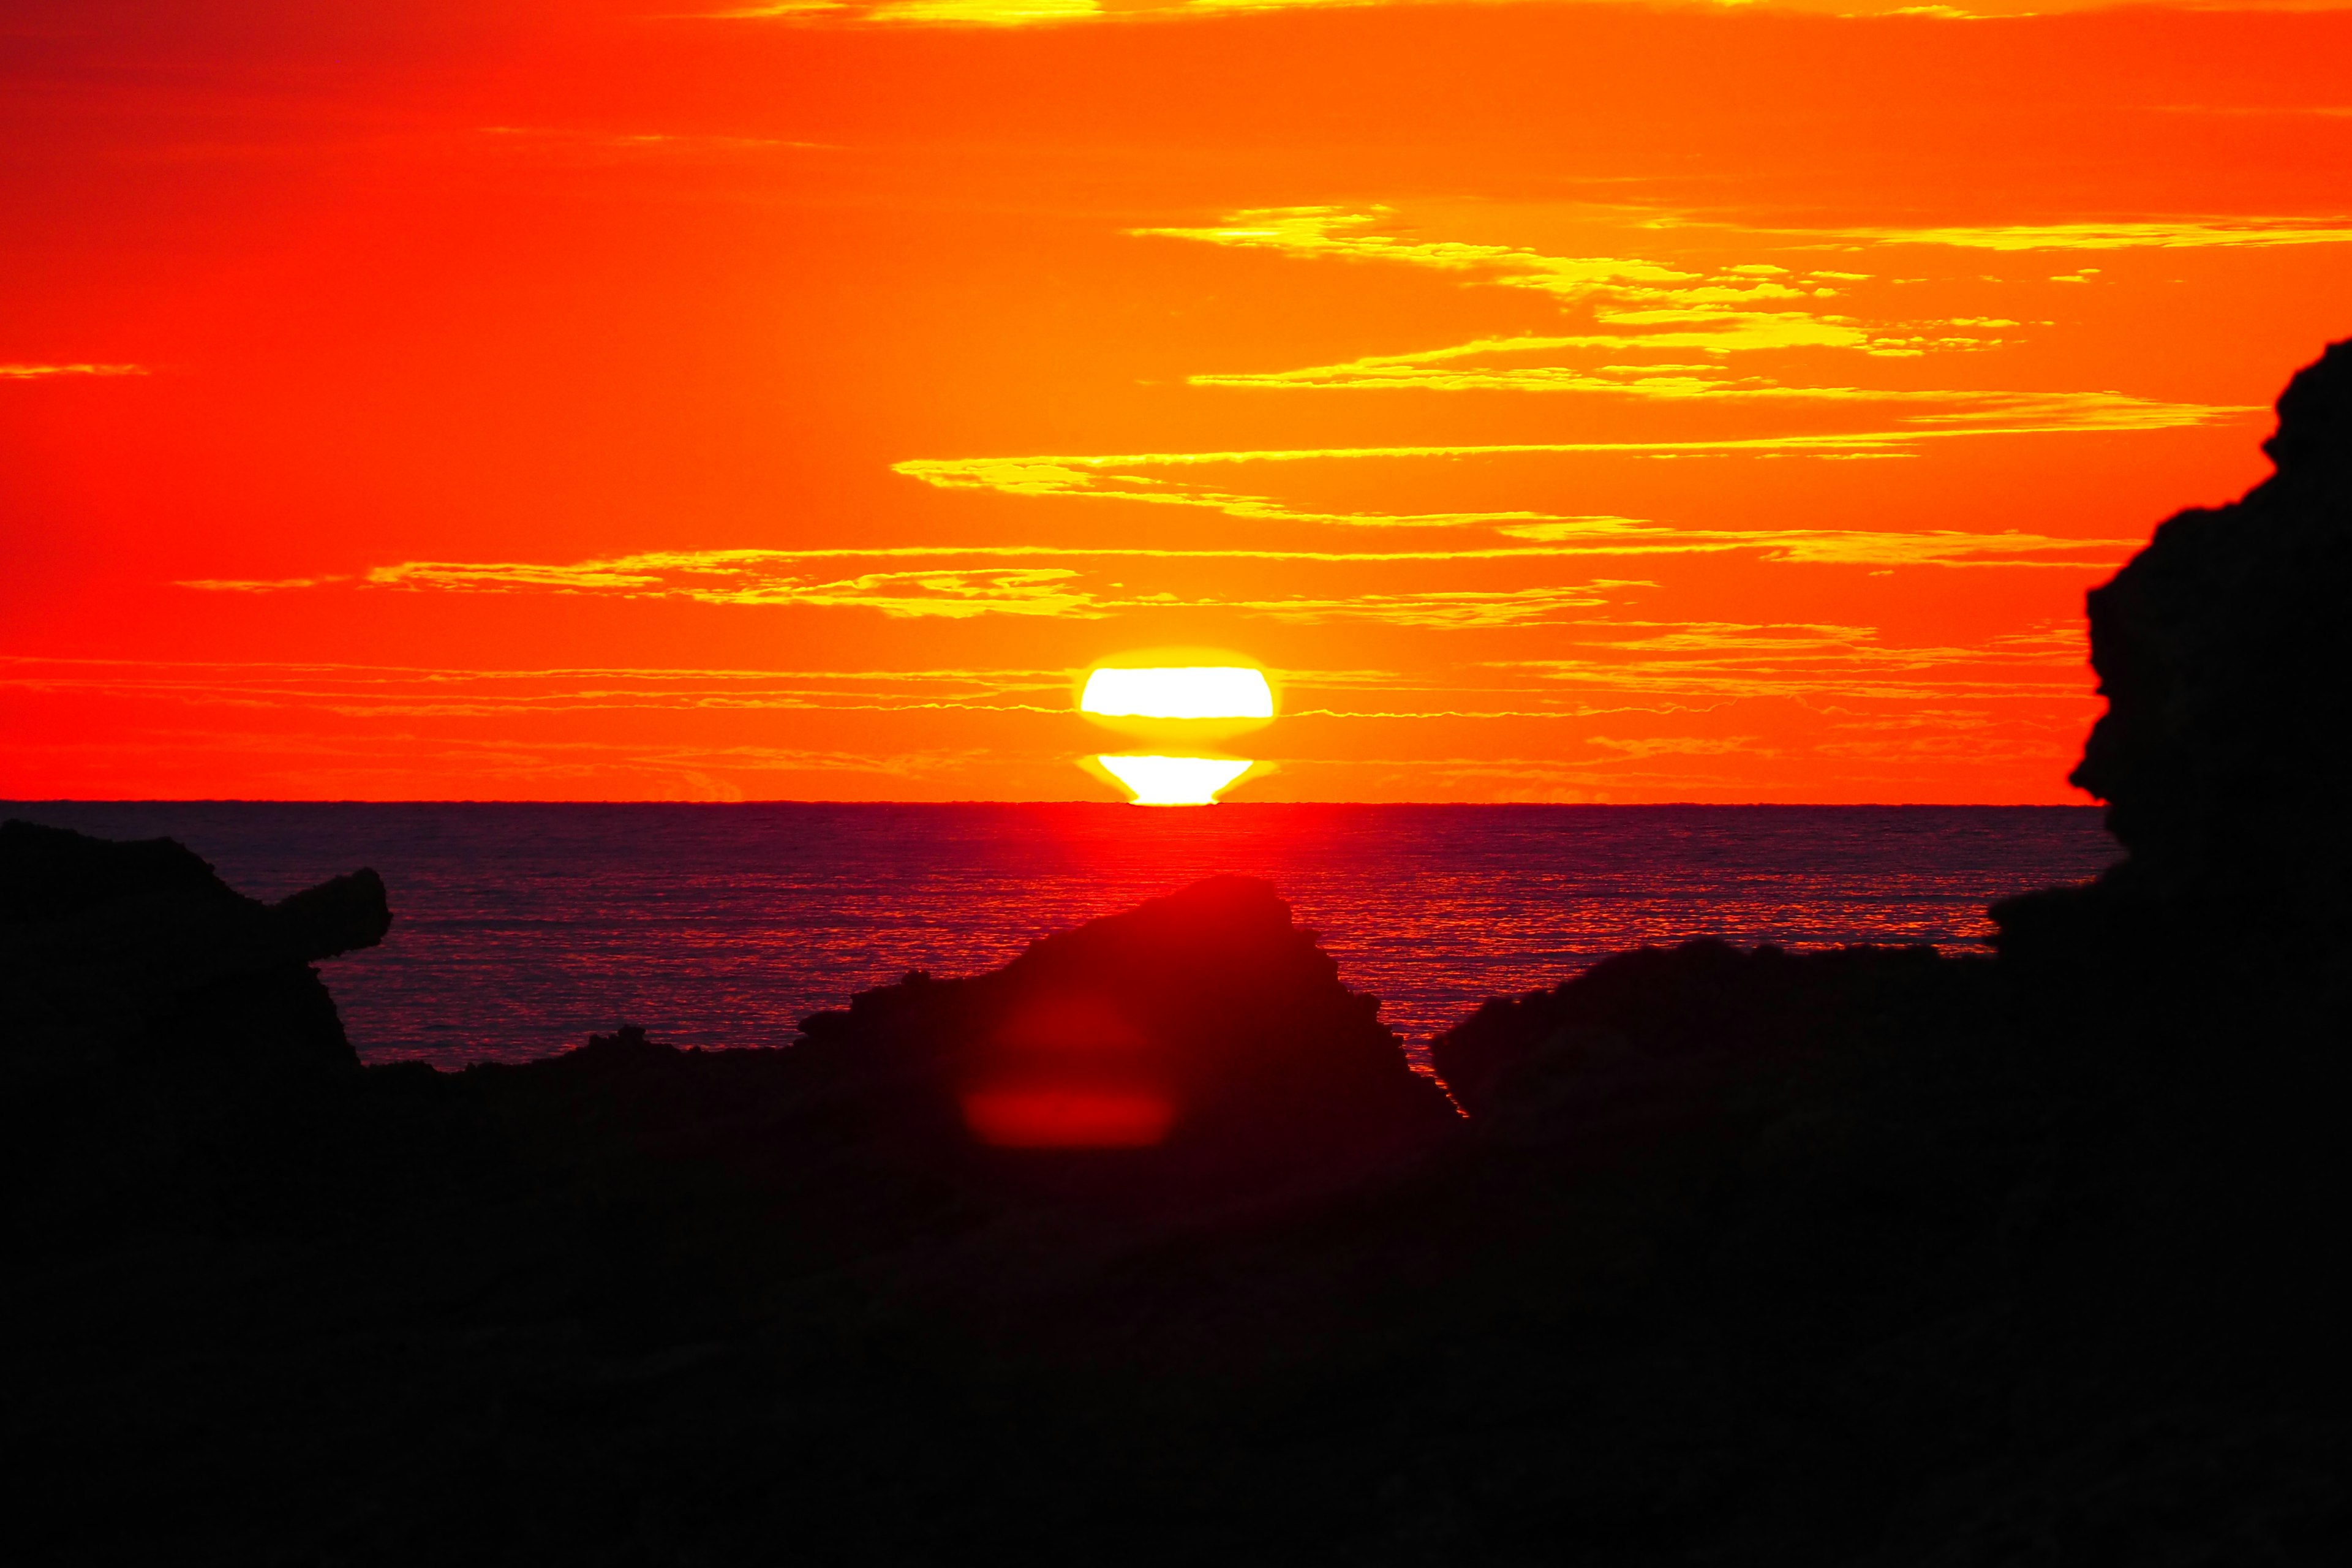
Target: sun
[1180, 704]
[1178, 692]
[1174, 781]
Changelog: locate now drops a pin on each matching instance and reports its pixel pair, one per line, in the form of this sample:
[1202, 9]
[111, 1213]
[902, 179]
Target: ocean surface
[519, 930]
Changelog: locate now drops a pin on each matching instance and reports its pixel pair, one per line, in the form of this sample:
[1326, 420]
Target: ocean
[519, 929]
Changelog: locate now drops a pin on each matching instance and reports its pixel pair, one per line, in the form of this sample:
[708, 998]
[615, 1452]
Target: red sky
[1566, 402]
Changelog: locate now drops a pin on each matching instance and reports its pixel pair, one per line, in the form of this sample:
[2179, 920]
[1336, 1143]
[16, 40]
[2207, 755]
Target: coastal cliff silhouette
[1150, 1246]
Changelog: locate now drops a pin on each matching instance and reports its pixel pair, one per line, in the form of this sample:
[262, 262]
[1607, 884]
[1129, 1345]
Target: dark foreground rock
[1874, 1257]
[2227, 742]
[111, 949]
[1750, 1256]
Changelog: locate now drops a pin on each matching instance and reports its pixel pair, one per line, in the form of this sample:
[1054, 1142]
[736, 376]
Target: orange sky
[554, 399]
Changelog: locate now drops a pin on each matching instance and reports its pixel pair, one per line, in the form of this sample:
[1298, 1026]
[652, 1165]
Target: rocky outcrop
[111, 949]
[1684, 1012]
[2222, 652]
[1204, 1027]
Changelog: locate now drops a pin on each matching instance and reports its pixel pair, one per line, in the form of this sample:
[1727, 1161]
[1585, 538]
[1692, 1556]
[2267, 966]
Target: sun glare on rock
[1174, 781]
[1187, 691]
[1057, 1118]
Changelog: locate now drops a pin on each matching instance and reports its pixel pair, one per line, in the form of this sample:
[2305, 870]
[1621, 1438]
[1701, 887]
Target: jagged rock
[1682, 1010]
[108, 949]
[2221, 650]
[1209, 1004]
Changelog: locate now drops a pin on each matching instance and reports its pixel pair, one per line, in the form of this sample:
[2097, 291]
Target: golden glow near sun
[1174, 781]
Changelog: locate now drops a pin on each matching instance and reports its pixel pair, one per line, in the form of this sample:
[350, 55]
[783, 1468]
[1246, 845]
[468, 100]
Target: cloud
[1805, 662]
[919, 12]
[443, 691]
[1484, 366]
[1457, 609]
[2160, 234]
[42, 372]
[1648, 320]
[965, 591]
[753, 577]
[1677, 746]
[1096, 478]
[793, 8]
[258, 584]
[959, 587]
[1636, 309]
[1742, 306]
[1337, 232]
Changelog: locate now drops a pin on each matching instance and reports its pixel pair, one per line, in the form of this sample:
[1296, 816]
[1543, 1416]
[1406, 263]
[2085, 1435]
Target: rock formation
[1209, 1002]
[109, 949]
[2223, 651]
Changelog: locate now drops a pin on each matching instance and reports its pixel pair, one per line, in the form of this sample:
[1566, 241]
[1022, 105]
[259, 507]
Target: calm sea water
[520, 929]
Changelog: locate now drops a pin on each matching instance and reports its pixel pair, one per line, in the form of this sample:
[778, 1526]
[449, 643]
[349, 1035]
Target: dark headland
[1871, 1257]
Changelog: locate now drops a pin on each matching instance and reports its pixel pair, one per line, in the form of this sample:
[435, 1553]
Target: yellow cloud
[257, 584]
[983, 13]
[1453, 610]
[916, 12]
[396, 690]
[1484, 366]
[1099, 478]
[1732, 661]
[40, 372]
[2173, 234]
[1328, 231]
[749, 577]
[966, 581]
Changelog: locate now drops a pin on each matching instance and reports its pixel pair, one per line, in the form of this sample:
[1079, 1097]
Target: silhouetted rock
[1699, 1002]
[109, 948]
[2221, 650]
[1207, 1015]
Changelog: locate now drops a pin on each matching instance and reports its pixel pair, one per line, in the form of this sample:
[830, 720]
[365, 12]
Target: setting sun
[1174, 781]
[1187, 691]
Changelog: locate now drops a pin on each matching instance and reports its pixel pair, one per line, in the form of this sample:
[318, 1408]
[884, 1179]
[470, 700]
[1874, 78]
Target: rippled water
[522, 928]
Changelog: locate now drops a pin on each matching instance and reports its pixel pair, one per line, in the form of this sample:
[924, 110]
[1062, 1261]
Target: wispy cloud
[1647, 320]
[360, 690]
[962, 586]
[2157, 234]
[966, 590]
[259, 584]
[1641, 304]
[739, 577]
[1453, 610]
[1099, 479]
[916, 12]
[1487, 366]
[1734, 660]
[1357, 235]
[42, 372]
